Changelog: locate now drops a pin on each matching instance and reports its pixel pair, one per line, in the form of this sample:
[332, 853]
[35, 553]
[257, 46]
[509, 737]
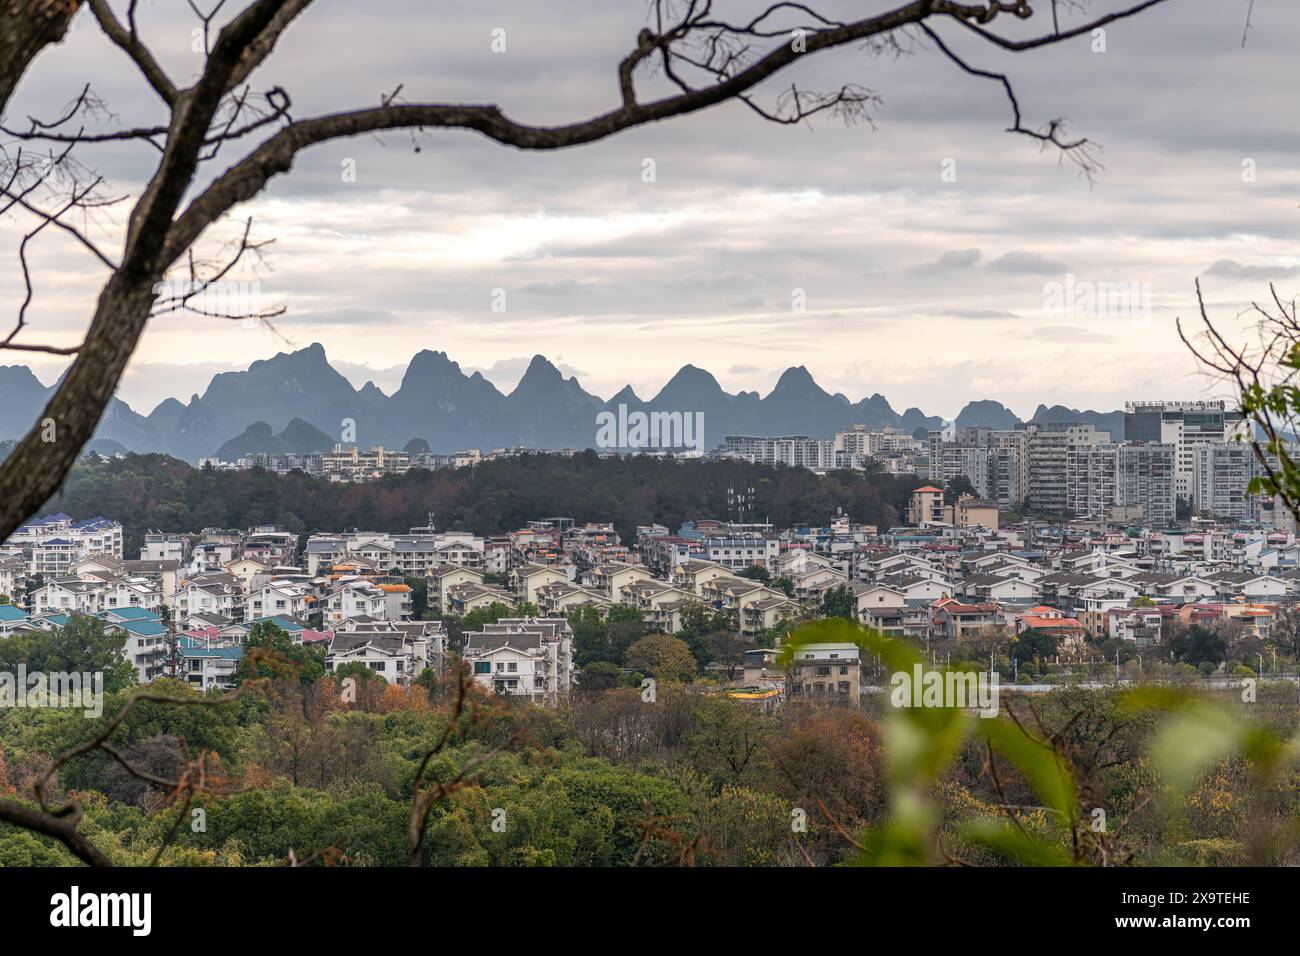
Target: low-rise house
[461, 599]
[916, 589]
[354, 598]
[810, 585]
[728, 593]
[13, 618]
[694, 575]
[207, 665]
[955, 620]
[202, 620]
[557, 600]
[103, 565]
[613, 576]
[322, 551]
[1139, 625]
[247, 569]
[13, 577]
[297, 629]
[873, 599]
[661, 604]
[523, 657]
[393, 654]
[145, 647]
[984, 588]
[1250, 585]
[69, 595]
[214, 593]
[1184, 588]
[1098, 563]
[131, 592]
[442, 579]
[765, 613]
[1054, 622]
[799, 561]
[397, 601]
[146, 640]
[527, 579]
[825, 674]
[277, 597]
[165, 574]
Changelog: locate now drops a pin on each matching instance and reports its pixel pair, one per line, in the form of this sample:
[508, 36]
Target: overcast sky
[931, 292]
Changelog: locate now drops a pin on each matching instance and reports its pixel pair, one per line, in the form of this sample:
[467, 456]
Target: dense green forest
[289, 770]
[157, 492]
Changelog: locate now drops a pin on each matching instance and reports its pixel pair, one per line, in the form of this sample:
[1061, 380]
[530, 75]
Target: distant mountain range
[298, 402]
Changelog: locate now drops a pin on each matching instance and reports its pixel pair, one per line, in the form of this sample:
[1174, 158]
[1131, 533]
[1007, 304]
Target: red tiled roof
[1051, 623]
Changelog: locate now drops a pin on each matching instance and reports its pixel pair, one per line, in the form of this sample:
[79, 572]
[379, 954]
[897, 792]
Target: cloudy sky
[931, 288]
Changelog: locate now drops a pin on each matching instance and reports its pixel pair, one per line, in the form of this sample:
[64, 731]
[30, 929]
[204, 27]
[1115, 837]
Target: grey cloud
[558, 287]
[720, 204]
[1232, 269]
[1028, 263]
[954, 260]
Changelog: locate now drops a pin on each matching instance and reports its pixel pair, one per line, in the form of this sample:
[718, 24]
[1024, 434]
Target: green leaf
[1038, 763]
[1014, 844]
[1191, 741]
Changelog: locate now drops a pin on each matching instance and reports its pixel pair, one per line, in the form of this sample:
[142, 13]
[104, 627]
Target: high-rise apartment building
[1221, 474]
[992, 459]
[1123, 482]
[794, 450]
[1187, 426]
[1048, 449]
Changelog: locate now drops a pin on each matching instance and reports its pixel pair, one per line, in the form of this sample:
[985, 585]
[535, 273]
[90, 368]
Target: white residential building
[523, 657]
[54, 543]
[282, 598]
[354, 598]
[798, 451]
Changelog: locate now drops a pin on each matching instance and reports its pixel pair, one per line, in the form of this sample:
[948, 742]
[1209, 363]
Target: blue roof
[97, 523]
[284, 623]
[48, 519]
[142, 628]
[11, 612]
[190, 647]
[132, 614]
